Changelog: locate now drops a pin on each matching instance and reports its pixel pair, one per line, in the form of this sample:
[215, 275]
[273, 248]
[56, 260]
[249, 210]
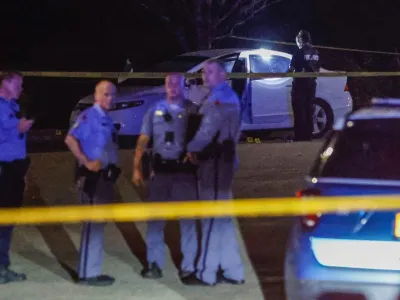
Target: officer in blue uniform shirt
[92, 140]
[14, 163]
[174, 178]
[214, 148]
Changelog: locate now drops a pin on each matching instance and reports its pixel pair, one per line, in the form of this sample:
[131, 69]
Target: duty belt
[161, 165]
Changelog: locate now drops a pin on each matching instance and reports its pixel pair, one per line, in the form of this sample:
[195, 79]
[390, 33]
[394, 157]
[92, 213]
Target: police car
[353, 254]
[266, 102]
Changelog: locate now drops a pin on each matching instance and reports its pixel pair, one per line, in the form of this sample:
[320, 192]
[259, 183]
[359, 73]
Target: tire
[325, 113]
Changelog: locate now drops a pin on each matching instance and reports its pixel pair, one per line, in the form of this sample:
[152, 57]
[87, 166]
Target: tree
[199, 24]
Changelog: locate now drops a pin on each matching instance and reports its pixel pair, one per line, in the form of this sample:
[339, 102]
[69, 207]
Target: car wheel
[322, 118]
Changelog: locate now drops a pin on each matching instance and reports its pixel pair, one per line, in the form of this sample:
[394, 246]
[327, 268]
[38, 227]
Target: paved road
[48, 253]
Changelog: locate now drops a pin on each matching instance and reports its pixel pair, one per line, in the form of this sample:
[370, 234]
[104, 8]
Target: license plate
[397, 226]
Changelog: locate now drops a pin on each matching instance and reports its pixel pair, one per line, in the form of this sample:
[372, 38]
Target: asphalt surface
[48, 254]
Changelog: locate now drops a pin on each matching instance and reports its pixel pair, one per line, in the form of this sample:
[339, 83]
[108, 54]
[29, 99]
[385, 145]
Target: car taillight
[309, 221]
[346, 88]
[128, 104]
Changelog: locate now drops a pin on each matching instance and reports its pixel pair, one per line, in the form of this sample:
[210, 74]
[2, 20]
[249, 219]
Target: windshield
[370, 149]
[180, 64]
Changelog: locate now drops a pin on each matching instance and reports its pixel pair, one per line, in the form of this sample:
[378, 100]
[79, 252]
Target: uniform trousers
[219, 245]
[303, 93]
[165, 187]
[12, 186]
[93, 191]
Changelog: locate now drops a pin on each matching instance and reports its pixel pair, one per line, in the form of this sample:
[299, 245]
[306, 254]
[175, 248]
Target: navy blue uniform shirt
[12, 143]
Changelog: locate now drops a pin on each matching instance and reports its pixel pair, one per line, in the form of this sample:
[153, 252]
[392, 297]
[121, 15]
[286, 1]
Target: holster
[110, 173]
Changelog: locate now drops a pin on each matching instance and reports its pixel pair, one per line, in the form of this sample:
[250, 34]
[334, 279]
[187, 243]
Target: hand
[137, 177]
[93, 165]
[24, 125]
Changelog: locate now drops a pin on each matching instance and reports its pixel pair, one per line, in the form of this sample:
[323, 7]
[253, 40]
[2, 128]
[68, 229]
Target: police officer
[174, 179]
[306, 59]
[14, 163]
[92, 140]
[215, 144]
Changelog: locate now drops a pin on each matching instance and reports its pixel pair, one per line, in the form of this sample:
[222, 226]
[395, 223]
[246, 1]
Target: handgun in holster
[110, 173]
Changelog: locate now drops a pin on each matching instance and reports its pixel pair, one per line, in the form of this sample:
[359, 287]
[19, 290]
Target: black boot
[102, 280]
[153, 271]
[7, 275]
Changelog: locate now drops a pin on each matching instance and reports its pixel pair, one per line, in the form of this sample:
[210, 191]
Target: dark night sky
[77, 34]
[96, 35]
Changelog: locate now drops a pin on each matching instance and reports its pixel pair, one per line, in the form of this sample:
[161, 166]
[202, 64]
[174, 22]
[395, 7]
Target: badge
[180, 116]
[158, 112]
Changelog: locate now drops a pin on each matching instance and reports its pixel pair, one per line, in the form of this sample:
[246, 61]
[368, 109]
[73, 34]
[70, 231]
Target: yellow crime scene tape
[197, 209]
[157, 75]
[316, 46]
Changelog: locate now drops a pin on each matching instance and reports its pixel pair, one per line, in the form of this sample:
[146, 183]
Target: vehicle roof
[379, 112]
[214, 52]
[369, 113]
[221, 52]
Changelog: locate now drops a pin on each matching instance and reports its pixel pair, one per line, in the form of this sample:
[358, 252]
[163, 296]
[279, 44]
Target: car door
[195, 88]
[270, 97]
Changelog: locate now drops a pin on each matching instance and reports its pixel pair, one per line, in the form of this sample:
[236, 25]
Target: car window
[228, 65]
[269, 64]
[369, 149]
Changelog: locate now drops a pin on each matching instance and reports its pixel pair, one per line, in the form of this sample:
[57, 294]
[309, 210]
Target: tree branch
[247, 16]
[152, 10]
[230, 12]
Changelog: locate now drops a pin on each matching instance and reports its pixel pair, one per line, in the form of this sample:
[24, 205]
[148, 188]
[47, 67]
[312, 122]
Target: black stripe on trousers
[206, 251]
[88, 227]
